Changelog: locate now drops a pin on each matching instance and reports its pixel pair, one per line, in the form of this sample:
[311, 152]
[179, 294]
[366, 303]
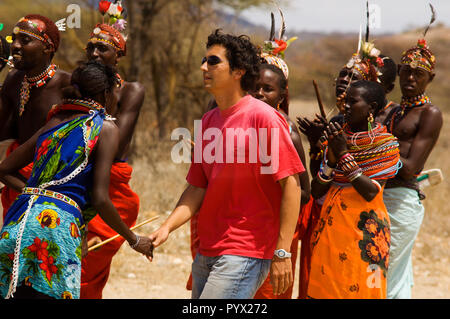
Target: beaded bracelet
[326, 170]
[322, 179]
[325, 174]
[354, 175]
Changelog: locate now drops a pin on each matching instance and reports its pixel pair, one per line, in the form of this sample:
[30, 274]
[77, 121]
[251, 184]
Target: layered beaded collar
[31, 82]
[82, 105]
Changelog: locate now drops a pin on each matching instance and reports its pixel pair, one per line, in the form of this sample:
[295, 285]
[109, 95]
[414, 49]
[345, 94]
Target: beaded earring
[370, 121]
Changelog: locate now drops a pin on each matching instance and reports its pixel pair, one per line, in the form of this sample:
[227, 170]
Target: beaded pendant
[31, 82]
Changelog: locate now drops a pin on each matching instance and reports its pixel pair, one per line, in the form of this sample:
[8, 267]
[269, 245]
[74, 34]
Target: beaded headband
[116, 24]
[38, 32]
[273, 49]
[366, 60]
[420, 56]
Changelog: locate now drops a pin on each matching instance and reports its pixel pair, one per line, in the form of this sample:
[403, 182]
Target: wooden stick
[116, 236]
[319, 99]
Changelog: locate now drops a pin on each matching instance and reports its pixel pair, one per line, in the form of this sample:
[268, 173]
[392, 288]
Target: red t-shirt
[240, 213]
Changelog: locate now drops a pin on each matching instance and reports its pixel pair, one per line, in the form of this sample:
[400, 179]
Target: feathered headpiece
[366, 60]
[114, 27]
[273, 49]
[420, 56]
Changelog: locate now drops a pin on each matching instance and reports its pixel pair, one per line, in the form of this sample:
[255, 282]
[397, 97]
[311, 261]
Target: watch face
[281, 253]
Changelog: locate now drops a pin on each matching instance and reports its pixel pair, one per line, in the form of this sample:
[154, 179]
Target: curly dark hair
[89, 79]
[388, 70]
[241, 54]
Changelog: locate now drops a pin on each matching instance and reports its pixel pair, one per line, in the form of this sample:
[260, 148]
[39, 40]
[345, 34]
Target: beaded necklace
[82, 105]
[406, 105]
[34, 82]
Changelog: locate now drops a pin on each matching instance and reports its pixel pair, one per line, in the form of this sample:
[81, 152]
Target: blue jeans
[227, 276]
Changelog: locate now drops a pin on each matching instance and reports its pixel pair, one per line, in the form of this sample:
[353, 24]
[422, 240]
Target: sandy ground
[133, 277]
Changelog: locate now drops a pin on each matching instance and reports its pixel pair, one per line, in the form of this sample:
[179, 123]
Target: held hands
[143, 245]
[281, 276]
[159, 236]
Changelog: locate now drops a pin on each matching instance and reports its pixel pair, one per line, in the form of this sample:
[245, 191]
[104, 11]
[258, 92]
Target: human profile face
[413, 81]
[345, 77]
[357, 110]
[218, 77]
[268, 88]
[101, 51]
[27, 51]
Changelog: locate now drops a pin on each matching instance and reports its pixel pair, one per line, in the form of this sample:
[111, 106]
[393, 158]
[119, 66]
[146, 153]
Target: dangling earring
[370, 121]
[278, 106]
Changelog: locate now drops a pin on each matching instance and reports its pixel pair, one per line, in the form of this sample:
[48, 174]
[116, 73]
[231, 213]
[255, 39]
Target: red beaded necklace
[31, 82]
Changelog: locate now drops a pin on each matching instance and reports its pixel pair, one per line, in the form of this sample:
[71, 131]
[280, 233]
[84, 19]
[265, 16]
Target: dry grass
[160, 182]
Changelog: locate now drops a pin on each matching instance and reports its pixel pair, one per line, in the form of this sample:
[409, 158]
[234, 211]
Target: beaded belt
[52, 194]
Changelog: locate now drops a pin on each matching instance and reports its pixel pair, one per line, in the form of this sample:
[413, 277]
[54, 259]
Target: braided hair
[90, 79]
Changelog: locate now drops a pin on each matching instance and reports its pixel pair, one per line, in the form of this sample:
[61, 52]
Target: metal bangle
[138, 238]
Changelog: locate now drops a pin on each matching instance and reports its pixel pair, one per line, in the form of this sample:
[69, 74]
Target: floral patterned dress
[351, 239]
[40, 243]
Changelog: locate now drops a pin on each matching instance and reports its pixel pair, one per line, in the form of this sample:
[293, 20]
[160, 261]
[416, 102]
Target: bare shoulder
[133, 88]
[12, 77]
[432, 112]
[131, 96]
[63, 77]
[109, 128]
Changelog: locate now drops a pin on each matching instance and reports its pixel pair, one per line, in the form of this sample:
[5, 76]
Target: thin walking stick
[319, 99]
[116, 236]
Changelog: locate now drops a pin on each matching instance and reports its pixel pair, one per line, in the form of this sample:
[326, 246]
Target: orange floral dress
[350, 247]
[351, 239]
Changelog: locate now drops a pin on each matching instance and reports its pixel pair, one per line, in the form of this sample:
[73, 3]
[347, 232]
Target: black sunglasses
[212, 60]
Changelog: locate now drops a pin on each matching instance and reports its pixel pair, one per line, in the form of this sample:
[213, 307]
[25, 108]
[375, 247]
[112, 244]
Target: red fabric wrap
[305, 251]
[9, 195]
[96, 265]
[266, 290]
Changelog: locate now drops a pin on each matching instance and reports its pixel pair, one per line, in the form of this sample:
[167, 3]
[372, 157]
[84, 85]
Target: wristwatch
[281, 253]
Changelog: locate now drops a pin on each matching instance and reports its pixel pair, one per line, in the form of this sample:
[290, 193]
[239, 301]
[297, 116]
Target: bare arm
[281, 269]
[6, 111]
[188, 205]
[130, 105]
[19, 158]
[430, 125]
[304, 177]
[106, 149]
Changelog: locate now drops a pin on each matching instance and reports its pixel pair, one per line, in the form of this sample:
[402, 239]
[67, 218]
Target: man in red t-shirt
[243, 182]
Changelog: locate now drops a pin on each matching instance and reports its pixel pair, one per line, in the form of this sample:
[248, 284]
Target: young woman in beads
[272, 88]
[350, 243]
[41, 241]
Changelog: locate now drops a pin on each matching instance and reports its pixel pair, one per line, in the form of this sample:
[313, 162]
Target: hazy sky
[346, 15]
